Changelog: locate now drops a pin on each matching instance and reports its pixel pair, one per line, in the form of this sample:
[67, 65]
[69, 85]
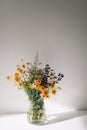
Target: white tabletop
[75, 120]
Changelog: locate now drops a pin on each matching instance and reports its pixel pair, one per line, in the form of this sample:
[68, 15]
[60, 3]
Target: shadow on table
[59, 117]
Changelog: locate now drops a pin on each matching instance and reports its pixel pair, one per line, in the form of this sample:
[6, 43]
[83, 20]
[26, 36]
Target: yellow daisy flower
[38, 81]
[53, 91]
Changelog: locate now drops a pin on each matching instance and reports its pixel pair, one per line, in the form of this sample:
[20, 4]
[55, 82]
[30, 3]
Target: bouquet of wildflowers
[35, 80]
[38, 83]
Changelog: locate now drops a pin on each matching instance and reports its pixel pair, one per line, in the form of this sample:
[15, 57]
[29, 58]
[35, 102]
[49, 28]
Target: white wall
[55, 28]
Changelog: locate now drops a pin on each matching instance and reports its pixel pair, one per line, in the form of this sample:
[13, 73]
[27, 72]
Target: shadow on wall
[54, 118]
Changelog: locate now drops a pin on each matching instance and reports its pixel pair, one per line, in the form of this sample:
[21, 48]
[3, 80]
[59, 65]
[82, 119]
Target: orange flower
[38, 81]
[16, 74]
[45, 95]
[41, 88]
[53, 91]
[17, 79]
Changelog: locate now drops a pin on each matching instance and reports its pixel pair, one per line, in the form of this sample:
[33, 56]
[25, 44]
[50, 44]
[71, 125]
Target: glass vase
[37, 113]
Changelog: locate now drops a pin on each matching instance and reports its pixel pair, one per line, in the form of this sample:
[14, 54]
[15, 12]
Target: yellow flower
[45, 95]
[44, 91]
[16, 74]
[23, 66]
[51, 85]
[53, 91]
[17, 79]
[41, 88]
[8, 77]
[38, 81]
[21, 71]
